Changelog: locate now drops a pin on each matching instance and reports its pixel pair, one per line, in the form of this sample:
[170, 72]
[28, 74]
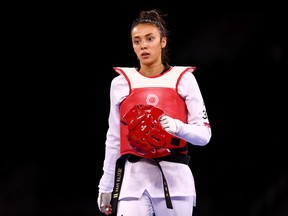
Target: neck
[153, 70]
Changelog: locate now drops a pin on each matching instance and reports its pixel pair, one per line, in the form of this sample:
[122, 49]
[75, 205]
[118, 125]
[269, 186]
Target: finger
[164, 121]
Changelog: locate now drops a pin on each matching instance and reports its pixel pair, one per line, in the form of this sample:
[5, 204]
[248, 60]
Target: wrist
[178, 127]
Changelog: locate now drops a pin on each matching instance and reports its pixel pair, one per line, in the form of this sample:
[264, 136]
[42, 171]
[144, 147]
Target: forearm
[195, 134]
[111, 155]
[107, 180]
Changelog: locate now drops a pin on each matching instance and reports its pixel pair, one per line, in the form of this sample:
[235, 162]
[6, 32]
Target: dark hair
[155, 17]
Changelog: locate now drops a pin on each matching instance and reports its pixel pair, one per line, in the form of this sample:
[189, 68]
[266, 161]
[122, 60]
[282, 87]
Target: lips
[145, 54]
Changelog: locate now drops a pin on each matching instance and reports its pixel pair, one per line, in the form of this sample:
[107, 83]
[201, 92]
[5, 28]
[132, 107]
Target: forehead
[144, 29]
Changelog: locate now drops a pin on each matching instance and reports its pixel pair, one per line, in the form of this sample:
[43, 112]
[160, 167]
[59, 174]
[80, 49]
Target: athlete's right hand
[103, 201]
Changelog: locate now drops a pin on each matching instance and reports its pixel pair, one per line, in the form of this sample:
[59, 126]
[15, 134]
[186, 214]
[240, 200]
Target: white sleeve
[118, 91]
[197, 131]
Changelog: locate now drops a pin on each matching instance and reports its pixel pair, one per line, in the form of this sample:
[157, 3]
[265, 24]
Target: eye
[136, 42]
[150, 38]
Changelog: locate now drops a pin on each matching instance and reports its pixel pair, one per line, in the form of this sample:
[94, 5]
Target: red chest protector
[149, 98]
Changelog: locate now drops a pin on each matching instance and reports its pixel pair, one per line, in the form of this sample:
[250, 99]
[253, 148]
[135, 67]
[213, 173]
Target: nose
[143, 45]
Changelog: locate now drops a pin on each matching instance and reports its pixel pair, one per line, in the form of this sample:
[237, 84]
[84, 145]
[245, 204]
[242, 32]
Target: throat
[152, 71]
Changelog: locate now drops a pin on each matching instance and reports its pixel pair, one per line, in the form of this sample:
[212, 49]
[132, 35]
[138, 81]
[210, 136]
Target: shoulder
[123, 70]
[183, 69]
[185, 72]
[119, 84]
[187, 77]
[118, 80]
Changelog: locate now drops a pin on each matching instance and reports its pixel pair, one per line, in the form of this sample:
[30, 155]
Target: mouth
[145, 55]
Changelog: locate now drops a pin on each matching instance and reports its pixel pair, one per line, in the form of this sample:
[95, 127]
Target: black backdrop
[59, 104]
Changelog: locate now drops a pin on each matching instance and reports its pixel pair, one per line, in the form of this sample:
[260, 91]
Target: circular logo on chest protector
[152, 99]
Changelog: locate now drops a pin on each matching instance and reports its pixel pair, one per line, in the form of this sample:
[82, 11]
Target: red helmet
[146, 135]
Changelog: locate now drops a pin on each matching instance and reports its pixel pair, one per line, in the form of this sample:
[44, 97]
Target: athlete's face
[147, 43]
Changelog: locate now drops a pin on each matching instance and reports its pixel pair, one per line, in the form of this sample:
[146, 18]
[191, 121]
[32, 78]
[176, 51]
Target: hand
[104, 203]
[168, 124]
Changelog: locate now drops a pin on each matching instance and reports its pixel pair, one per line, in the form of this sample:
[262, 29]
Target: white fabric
[169, 124]
[149, 206]
[144, 175]
[169, 79]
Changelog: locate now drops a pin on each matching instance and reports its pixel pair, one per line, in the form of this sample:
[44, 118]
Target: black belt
[119, 173]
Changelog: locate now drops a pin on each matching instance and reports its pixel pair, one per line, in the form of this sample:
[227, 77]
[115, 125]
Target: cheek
[136, 50]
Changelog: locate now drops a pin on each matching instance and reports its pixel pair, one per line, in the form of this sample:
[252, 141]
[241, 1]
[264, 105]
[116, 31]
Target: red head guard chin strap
[146, 135]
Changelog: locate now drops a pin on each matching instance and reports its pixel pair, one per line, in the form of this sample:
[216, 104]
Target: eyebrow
[144, 35]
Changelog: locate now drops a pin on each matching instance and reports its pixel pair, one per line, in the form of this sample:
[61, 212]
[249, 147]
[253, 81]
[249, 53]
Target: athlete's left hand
[169, 124]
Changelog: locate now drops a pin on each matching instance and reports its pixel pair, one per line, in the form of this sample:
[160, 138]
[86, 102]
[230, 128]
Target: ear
[163, 42]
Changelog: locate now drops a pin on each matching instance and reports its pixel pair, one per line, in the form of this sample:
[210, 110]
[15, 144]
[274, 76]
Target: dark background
[58, 103]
